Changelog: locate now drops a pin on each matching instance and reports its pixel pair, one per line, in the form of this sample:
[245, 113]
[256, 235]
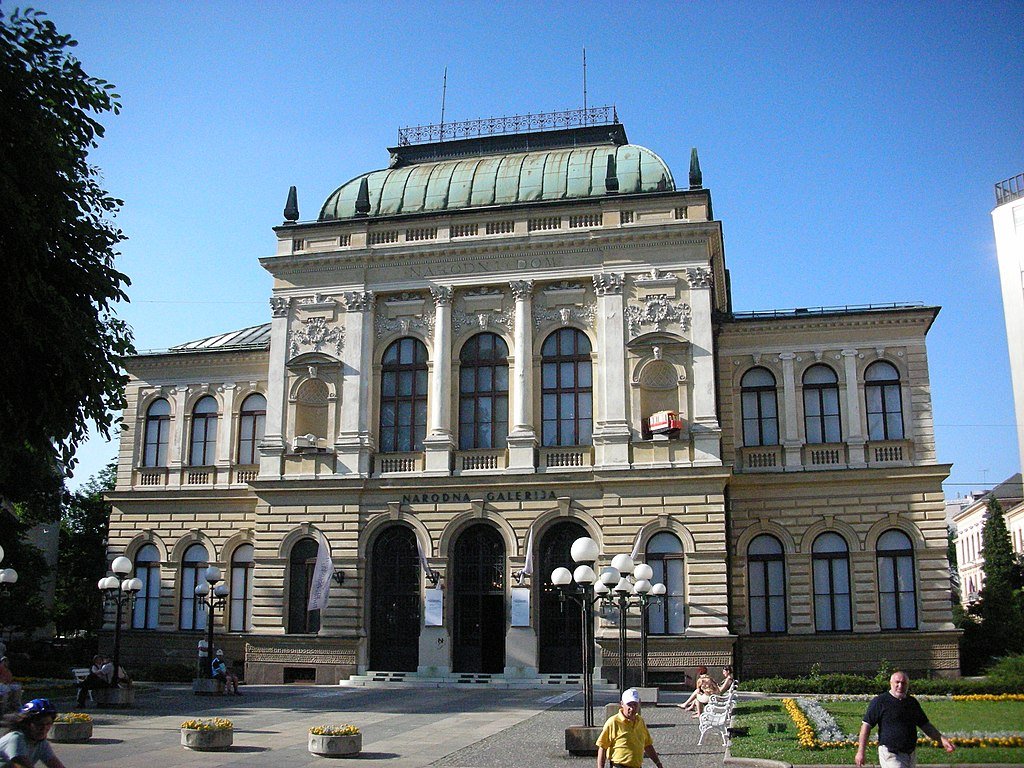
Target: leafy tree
[82, 560]
[23, 609]
[62, 344]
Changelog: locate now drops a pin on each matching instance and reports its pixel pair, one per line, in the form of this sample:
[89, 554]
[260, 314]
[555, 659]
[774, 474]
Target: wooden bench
[80, 674]
[717, 715]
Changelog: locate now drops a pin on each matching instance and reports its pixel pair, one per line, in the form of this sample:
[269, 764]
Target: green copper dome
[503, 179]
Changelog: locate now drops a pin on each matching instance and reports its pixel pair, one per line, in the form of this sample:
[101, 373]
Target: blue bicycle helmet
[38, 707]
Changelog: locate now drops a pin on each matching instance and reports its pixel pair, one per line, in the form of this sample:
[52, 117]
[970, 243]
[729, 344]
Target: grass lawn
[947, 716]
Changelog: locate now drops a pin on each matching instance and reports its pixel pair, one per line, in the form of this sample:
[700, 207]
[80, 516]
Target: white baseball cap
[630, 696]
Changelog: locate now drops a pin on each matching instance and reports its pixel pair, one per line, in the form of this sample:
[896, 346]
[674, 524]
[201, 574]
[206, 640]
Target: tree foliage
[62, 344]
[82, 560]
[23, 610]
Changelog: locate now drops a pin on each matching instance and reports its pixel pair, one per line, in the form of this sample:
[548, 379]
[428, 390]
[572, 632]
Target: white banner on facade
[433, 614]
[322, 571]
[520, 607]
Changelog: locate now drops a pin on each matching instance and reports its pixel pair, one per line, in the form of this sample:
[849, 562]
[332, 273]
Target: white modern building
[970, 524]
[463, 353]
[1008, 222]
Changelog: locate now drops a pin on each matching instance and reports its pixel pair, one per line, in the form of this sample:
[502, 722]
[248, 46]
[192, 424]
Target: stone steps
[381, 679]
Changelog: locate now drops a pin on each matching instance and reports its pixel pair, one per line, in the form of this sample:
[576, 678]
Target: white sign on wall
[520, 607]
[434, 608]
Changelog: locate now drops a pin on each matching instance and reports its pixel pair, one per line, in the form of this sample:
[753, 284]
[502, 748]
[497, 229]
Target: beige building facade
[970, 526]
[463, 353]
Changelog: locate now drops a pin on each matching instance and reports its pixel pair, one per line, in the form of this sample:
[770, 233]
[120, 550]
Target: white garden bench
[717, 715]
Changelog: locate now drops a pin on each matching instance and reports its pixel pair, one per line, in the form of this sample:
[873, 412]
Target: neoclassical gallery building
[462, 355]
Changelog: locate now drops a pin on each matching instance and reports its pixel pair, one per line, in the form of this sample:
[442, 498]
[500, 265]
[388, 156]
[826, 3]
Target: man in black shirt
[898, 716]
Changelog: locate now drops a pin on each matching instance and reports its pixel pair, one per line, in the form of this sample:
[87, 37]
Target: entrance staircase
[563, 682]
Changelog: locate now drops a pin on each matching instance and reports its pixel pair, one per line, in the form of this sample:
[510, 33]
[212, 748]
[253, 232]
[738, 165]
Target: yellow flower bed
[990, 697]
[73, 717]
[208, 724]
[808, 739]
[334, 730]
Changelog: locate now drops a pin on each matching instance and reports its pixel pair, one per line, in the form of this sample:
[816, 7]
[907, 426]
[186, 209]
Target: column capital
[521, 289]
[442, 295]
[608, 283]
[850, 353]
[358, 301]
[786, 356]
[279, 306]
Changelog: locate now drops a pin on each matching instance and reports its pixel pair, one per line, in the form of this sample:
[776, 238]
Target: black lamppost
[211, 594]
[578, 586]
[119, 591]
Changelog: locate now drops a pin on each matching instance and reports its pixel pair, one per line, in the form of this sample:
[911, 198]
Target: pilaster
[353, 444]
[522, 440]
[611, 433]
[272, 448]
[791, 444]
[854, 435]
[438, 445]
[705, 429]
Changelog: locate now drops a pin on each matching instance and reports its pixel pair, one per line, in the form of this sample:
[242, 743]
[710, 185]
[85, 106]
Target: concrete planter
[207, 741]
[335, 746]
[114, 697]
[70, 733]
[205, 686]
[581, 740]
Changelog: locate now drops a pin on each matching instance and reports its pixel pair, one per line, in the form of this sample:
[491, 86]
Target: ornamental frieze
[565, 315]
[315, 335]
[483, 320]
[699, 277]
[279, 306]
[657, 313]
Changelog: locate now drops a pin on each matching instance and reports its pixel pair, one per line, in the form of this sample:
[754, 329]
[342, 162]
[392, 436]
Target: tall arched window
[760, 408]
[301, 564]
[146, 613]
[567, 389]
[483, 392]
[821, 405]
[240, 609]
[832, 606]
[665, 556]
[403, 396]
[251, 424]
[204, 432]
[193, 566]
[766, 568]
[897, 593]
[158, 429]
[884, 401]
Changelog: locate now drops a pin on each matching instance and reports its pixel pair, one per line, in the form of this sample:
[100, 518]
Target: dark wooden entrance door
[560, 629]
[395, 601]
[478, 590]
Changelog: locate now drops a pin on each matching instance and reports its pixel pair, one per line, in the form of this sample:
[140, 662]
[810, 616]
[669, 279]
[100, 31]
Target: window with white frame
[203, 448]
[821, 405]
[759, 405]
[667, 615]
[403, 396]
[831, 563]
[146, 612]
[766, 571]
[193, 567]
[884, 401]
[157, 434]
[240, 609]
[567, 389]
[483, 392]
[252, 421]
[897, 591]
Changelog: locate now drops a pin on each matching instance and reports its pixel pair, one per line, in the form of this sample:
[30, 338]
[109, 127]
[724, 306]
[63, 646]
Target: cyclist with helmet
[26, 745]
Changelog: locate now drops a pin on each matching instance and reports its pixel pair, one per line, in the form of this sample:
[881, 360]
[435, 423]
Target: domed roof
[502, 179]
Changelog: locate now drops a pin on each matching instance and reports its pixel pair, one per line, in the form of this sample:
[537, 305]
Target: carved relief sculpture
[316, 334]
[658, 312]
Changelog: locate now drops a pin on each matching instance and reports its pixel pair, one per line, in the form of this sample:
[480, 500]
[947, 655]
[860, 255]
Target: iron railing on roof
[801, 311]
[493, 126]
[1010, 189]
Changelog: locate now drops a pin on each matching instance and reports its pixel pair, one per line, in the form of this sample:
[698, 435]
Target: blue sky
[851, 148]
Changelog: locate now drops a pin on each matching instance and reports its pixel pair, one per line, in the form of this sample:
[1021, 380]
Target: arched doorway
[395, 601]
[301, 564]
[560, 631]
[478, 589]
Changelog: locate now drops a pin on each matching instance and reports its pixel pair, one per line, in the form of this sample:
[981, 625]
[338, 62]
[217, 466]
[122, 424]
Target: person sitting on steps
[219, 668]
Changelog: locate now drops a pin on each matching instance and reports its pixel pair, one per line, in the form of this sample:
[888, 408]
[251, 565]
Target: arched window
[832, 607]
[760, 408]
[884, 401]
[567, 389]
[483, 392]
[193, 567]
[666, 616]
[821, 405]
[301, 564]
[240, 610]
[252, 422]
[311, 408]
[204, 432]
[158, 428]
[403, 396]
[766, 567]
[146, 613]
[897, 594]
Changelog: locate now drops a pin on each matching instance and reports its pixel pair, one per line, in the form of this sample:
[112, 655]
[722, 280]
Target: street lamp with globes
[578, 586]
[119, 591]
[212, 594]
[7, 576]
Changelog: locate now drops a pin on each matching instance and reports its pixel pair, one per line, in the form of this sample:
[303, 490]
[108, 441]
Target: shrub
[334, 730]
[861, 684]
[1008, 670]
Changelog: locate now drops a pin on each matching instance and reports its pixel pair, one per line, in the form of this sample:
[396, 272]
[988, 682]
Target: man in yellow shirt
[625, 740]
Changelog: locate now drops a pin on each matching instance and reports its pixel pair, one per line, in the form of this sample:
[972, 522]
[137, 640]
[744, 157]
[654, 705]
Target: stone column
[854, 434]
[438, 445]
[706, 431]
[177, 450]
[791, 444]
[272, 448]
[354, 444]
[522, 441]
[611, 433]
[225, 433]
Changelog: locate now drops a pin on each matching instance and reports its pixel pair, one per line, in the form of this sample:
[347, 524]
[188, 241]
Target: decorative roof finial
[611, 178]
[363, 198]
[696, 179]
[291, 207]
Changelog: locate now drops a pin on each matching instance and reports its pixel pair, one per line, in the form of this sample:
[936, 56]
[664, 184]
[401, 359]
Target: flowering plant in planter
[71, 728]
[334, 730]
[73, 717]
[208, 724]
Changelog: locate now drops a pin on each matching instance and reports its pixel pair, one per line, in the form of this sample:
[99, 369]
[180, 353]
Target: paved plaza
[402, 728]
